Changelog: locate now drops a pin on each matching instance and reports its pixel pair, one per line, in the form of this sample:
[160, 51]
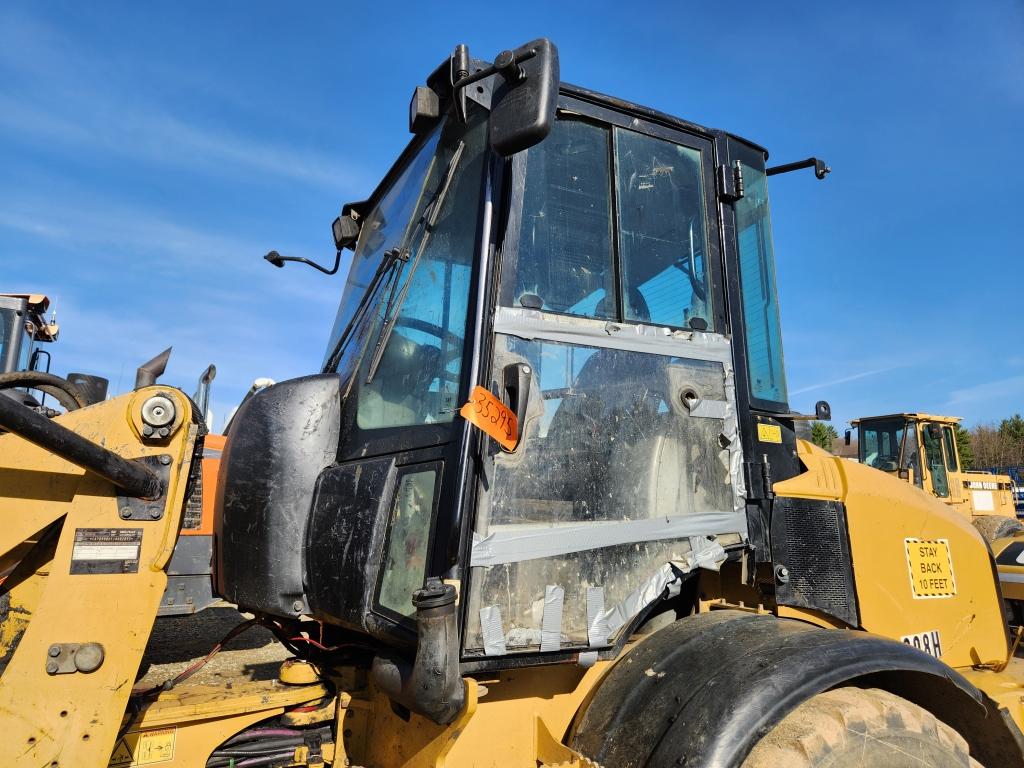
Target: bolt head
[158, 411]
[54, 651]
[52, 667]
[147, 430]
[154, 512]
[165, 459]
[297, 605]
[164, 431]
[126, 512]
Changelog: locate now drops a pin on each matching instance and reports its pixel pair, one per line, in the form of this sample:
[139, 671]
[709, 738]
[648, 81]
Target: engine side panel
[921, 569]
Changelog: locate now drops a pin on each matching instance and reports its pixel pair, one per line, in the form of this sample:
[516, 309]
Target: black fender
[704, 690]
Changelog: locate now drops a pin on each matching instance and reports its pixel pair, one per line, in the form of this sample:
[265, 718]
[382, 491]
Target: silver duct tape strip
[711, 409]
[517, 543]
[493, 631]
[704, 553]
[587, 659]
[664, 578]
[534, 324]
[551, 620]
[597, 626]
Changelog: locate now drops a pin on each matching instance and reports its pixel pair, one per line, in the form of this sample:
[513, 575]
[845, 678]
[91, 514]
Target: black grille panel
[810, 540]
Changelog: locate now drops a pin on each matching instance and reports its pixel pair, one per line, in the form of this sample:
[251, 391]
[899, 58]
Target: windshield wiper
[389, 260]
[430, 213]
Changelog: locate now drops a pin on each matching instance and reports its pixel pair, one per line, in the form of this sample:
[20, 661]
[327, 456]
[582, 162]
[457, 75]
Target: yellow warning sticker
[769, 433]
[931, 568]
[143, 748]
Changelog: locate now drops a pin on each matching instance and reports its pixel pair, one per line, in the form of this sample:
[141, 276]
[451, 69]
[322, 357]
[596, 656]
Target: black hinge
[730, 182]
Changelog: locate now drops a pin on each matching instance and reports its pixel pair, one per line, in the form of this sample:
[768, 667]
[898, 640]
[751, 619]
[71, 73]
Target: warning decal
[931, 568]
[143, 748]
[487, 412]
[769, 433]
[106, 550]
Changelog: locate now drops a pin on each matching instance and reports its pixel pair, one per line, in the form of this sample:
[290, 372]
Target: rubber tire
[994, 527]
[857, 727]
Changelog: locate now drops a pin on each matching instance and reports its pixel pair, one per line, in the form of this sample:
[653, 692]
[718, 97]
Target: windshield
[411, 270]
[879, 444]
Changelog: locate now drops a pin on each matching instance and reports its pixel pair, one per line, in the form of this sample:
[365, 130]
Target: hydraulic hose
[67, 394]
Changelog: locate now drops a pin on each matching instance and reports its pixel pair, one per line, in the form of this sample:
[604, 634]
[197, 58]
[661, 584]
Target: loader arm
[83, 567]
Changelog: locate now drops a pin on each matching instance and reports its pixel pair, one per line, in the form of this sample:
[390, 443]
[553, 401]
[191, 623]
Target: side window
[949, 438]
[405, 555]
[936, 466]
[910, 457]
[662, 234]
[757, 281]
[564, 245]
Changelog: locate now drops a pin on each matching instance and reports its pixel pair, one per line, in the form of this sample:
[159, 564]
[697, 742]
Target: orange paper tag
[487, 412]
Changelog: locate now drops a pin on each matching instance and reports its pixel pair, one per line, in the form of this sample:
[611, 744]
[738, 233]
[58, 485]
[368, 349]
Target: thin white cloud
[843, 380]
[1012, 386]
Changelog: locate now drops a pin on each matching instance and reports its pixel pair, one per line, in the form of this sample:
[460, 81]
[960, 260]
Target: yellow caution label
[769, 433]
[931, 568]
[143, 748]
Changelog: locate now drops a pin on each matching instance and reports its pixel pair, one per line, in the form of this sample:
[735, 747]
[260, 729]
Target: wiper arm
[389, 260]
[427, 221]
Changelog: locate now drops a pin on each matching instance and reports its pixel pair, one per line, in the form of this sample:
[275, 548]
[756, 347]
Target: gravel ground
[178, 641]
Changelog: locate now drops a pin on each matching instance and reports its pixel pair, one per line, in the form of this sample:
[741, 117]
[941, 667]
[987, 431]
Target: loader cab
[613, 285]
[22, 327]
[922, 448]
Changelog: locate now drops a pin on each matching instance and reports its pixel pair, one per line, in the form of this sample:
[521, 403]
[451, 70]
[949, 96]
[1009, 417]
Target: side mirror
[523, 104]
[846, 437]
[346, 232]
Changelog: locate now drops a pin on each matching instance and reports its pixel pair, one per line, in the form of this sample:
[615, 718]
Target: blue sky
[151, 153]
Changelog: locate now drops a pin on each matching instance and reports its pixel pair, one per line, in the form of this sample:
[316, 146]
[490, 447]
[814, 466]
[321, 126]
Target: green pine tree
[823, 434]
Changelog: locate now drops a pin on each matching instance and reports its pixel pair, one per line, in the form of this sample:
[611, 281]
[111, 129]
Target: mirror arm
[819, 166]
[506, 64]
[278, 260]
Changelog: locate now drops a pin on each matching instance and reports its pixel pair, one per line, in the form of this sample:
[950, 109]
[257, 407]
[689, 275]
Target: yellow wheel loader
[543, 504]
[921, 448]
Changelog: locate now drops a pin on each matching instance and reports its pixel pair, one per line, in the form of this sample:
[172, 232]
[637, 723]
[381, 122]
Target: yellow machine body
[512, 718]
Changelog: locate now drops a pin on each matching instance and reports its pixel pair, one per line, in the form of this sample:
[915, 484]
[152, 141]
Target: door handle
[517, 378]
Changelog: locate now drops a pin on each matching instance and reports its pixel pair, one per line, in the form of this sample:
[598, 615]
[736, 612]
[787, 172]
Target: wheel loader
[542, 505]
[921, 448]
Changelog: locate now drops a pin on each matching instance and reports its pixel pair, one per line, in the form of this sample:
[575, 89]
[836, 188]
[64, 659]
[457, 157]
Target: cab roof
[910, 417]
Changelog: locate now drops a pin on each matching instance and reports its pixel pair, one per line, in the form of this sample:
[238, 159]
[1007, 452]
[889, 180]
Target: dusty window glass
[757, 281]
[563, 257]
[879, 444]
[662, 236]
[417, 379]
[936, 465]
[609, 448]
[949, 438]
[910, 455]
[405, 558]
[382, 230]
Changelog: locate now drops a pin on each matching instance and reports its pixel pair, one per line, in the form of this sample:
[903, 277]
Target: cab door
[610, 304]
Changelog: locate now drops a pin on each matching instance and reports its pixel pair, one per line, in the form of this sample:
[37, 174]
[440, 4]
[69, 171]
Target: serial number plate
[106, 550]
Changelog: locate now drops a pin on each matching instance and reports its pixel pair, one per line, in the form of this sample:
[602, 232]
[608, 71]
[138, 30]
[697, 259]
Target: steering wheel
[66, 393]
[447, 338]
